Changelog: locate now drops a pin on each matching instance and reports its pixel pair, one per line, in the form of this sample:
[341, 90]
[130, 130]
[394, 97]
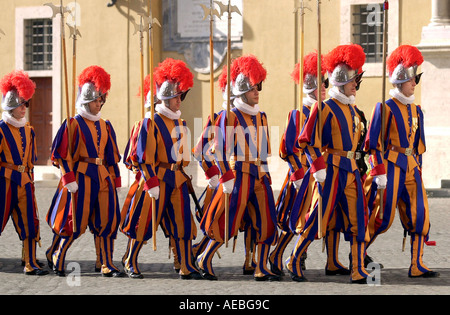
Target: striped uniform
[405, 189]
[342, 189]
[290, 152]
[249, 148]
[18, 149]
[94, 157]
[202, 153]
[158, 146]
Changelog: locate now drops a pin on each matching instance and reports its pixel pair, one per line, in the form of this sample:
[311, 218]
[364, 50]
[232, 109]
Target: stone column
[435, 102]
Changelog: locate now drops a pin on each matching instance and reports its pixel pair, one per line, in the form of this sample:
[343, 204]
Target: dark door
[40, 113]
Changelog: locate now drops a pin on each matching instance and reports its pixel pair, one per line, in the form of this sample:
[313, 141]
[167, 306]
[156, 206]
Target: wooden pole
[211, 63]
[383, 112]
[66, 86]
[152, 111]
[227, 200]
[319, 110]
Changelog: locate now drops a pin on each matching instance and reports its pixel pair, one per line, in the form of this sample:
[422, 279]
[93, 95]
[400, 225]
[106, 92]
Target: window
[38, 44]
[352, 12]
[367, 30]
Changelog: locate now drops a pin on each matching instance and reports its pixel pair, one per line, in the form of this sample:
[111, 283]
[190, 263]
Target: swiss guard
[396, 159]
[333, 165]
[17, 157]
[90, 174]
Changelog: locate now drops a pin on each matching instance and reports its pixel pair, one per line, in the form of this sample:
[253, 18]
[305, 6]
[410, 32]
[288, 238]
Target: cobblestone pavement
[159, 277]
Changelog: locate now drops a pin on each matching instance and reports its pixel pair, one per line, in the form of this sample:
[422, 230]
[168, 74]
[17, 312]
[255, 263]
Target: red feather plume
[406, 55]
[352, 55]
[20, 81]
[309, 67]
[222, 81]
[96, 75]
[249, 66]
[175, 71]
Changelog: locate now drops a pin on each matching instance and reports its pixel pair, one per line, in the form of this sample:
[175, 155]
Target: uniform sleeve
[202, 152]
[146, 152]
[112, 155]
[130, 148]
[419, 142]
[373, 142]
[310, 137]
[290, 150]
[60, 151]
[223, 144]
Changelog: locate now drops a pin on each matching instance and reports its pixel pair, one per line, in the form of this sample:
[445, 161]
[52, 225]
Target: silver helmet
[342, 74]
[87, 93]
[169, 90]
[10, 100]
[402, 74]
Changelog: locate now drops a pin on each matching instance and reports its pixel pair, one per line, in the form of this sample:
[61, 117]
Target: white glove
[228, 186]
[381, 181]
[320, 175]
[72, 187]
[154, 192]
[213, 181]
[297, 183]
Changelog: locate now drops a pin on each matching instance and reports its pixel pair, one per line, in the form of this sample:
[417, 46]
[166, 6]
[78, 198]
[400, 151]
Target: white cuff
[154, 192]
[381, 181]
[320, 175]
[213, 181]
[228, 186]
[72, 187]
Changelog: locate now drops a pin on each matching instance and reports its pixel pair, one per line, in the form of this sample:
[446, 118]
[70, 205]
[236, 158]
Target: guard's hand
[228, 186]
[297, 183]
[213, 181]
[320, 175]
[381, 181]
[72, 187]
[154, 192]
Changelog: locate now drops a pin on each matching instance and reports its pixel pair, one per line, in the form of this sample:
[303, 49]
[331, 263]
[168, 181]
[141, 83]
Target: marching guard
[17, 157]
[294, 200]
[205, 157]
[160, 155]
[90, 175]
[397, 170]
[245, 178]
[333, 165]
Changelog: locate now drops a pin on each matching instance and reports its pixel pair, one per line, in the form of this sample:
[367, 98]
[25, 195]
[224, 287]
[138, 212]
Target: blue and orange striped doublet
[164, 143]
[202, 153]
[17, 157]
[341, 131]
[246, 141]
[158, 149]
[343, 200]
[404, 145]
[93, 164]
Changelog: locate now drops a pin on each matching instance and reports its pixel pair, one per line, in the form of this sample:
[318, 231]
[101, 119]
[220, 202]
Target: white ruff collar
[13, 121]
[401, 97]
[335, 93]
[84, 113]
[148, 114]
[244, 107]
[163, 110]
[309, 101]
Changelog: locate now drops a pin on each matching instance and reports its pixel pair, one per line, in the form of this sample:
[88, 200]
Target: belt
[96, 161]
[347, 154]
[171, 166]
[256, 162]
[405, 151]
[19, 168]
